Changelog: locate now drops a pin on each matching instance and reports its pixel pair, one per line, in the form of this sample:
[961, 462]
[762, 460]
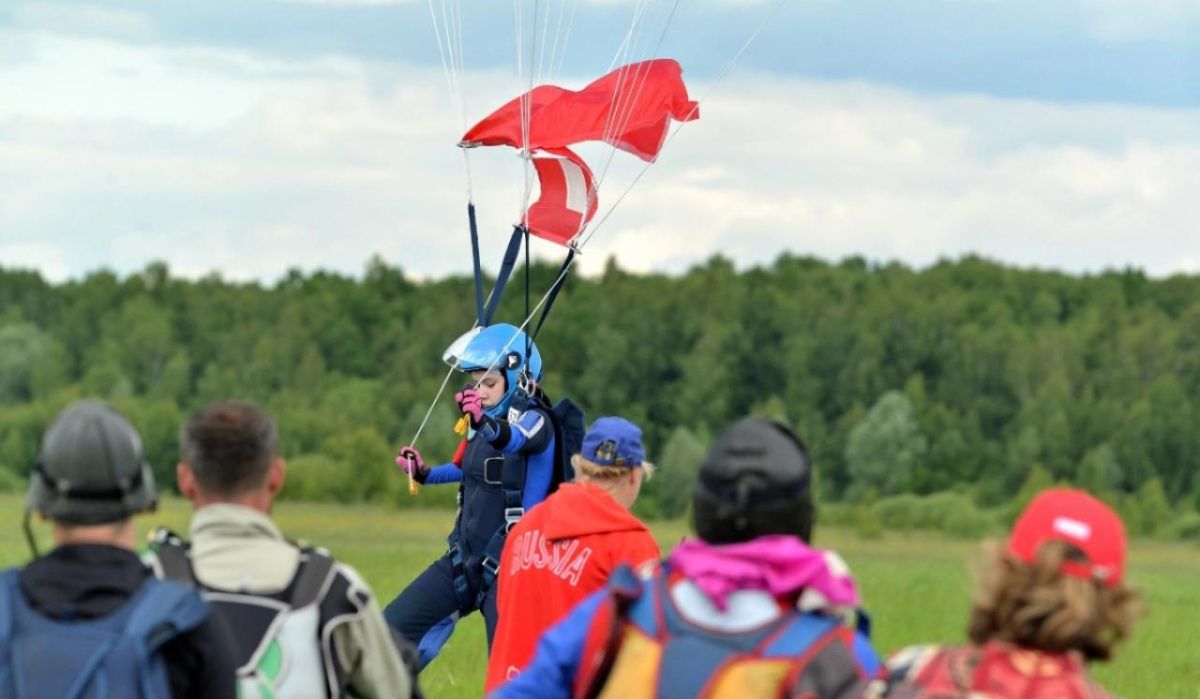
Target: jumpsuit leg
[490, 615]
[426, 601]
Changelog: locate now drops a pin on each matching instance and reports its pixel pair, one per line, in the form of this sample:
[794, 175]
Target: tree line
[968, 377]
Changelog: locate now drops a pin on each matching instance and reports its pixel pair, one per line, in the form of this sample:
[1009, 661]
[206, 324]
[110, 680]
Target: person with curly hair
[1050, 601]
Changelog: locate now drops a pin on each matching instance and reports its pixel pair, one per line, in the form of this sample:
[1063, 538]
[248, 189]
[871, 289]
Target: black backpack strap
[568, 421]
[494, 551]
[312, 578]
[174, 558]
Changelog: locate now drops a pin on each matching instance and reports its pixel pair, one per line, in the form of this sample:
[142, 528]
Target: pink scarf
[778, 564]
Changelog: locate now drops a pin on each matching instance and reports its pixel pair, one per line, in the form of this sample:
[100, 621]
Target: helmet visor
[454, 353]
[465, 354]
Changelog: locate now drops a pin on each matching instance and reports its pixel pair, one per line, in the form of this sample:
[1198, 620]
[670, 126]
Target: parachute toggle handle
[460, 427]
[413, 486]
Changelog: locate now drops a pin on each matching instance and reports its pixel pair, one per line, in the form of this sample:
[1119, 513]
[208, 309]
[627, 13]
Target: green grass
[917, 587]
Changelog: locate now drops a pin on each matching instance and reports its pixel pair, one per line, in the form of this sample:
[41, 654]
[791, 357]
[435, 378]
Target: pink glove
[409, 460]
[470, 403]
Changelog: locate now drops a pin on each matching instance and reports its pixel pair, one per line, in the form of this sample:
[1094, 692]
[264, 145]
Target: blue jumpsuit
[432, 599]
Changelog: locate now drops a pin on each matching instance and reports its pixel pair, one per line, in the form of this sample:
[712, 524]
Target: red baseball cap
[1073, 516]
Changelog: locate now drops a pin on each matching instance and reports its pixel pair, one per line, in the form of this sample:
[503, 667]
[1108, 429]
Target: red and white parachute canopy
[629, 108]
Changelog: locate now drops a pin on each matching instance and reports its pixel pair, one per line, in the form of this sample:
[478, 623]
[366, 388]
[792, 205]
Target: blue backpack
[115, 656]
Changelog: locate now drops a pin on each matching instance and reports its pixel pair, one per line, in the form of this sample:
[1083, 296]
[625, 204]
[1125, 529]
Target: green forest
[938, 397]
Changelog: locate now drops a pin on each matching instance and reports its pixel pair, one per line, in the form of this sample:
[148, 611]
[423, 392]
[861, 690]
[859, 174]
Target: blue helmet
[499, 348]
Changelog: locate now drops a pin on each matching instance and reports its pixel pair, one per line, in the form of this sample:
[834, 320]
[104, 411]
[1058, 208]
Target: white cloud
[1120, 20]
[46, 258]
[219, 160]
[88, 19]
[850, 169]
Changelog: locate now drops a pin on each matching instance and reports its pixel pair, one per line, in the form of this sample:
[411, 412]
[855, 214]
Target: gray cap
[90, 468]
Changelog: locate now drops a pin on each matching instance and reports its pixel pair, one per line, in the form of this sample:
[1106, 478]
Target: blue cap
[613, 441]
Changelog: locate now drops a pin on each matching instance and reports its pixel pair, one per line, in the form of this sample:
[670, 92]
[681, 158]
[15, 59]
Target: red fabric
[566, 203]
[595, 647]
[999, 670]
[559, 553]
[458, 453]
[629, 108]
[1073, 516]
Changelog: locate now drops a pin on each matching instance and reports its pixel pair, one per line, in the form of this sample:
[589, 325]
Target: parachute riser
[506, 270]
[479, 317]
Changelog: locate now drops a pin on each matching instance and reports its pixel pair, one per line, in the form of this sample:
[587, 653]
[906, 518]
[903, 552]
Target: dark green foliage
[967, 376]
[669, 493]
[884, 448]
[1185, 528]
[949, 512]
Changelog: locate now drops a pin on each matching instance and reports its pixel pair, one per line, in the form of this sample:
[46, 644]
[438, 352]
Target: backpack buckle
[511, 516]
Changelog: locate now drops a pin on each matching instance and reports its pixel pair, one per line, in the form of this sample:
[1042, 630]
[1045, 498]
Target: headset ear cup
[145, 498]
[40, 495]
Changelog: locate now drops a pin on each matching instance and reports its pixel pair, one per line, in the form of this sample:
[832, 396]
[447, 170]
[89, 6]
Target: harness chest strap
[512, 484]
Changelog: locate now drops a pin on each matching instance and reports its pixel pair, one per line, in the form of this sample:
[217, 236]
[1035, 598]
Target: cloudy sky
[251, 137]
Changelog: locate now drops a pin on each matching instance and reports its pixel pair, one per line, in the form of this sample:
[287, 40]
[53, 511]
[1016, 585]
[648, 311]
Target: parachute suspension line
[451, 53]
[542, 303]
[621, 110]
[528, 272]
[555, 70]
[527, 118]
[519, 37]
[624, 100]
[557, 286]
[559, 37]
[462, 102]
[729, 65]
[671, 136]
[449, 36]
[545, 35]
[425, 420]
[447, 30]
[625, 107]
[622, 49]
[442, 51]
[525, 68]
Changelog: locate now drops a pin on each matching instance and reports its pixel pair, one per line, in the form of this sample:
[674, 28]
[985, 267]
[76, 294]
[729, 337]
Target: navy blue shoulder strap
[9, 586]
[635, 598]
[165, 610]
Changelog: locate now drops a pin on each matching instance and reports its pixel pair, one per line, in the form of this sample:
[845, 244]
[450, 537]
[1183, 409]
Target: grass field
[916, 587]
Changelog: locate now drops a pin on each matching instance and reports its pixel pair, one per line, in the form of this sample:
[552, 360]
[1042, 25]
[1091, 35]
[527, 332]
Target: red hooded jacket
[558, 553]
